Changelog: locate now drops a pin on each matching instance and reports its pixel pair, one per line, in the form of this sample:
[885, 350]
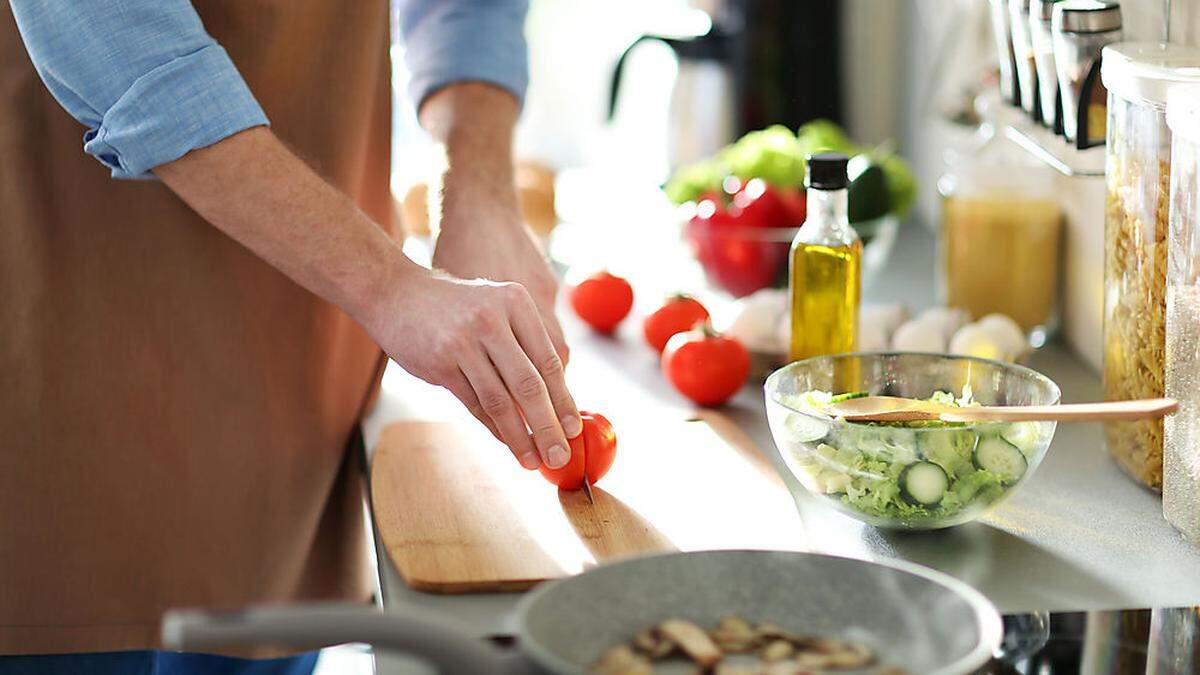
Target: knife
[587, 488]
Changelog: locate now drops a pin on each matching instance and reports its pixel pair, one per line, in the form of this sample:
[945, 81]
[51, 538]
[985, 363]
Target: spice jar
[1040, 14]
[1137, 174]
[1000, 235]
[1027, 74]
[1002, 33]
[1080, 29]
[1181, 440]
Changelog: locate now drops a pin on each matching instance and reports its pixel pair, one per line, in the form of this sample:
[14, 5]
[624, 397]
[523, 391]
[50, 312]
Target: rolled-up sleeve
[142, 75]
[449, 41]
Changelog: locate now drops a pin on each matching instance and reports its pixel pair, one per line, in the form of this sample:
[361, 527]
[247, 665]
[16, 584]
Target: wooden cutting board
[457, 514]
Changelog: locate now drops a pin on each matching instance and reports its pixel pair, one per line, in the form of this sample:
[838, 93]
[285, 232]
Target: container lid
[1143, 72]
[1183, 112]
[1042, 9]
[827, 171]
[1086, 16]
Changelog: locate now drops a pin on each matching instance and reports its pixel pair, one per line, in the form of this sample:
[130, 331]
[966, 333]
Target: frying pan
[913, 617]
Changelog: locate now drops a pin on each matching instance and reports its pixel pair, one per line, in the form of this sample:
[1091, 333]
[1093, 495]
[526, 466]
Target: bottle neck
[827, 221]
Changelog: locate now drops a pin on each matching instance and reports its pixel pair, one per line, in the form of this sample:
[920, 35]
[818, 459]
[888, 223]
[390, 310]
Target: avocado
[868, 193]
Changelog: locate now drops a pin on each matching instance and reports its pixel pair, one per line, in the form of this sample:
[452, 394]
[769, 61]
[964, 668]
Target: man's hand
[482, 234]
[483, 341]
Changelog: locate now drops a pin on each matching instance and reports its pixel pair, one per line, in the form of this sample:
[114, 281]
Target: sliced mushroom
[777, 650]
[691, 640]
[652, 644]
[851, 655]
[813, 660]
[621, 660]
[735, 634]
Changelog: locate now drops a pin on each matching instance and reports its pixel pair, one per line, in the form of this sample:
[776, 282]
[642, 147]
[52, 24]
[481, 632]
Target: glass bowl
[741, 259]
[916, 475]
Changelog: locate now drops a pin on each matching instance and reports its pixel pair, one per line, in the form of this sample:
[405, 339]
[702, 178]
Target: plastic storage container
[1138, 172]
[1000, 236]
[1181, 446]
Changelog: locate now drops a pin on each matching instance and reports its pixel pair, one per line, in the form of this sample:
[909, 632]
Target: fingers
[530, 392]
[461, 388]
[538, 346]
[498, 404]
[554, 329]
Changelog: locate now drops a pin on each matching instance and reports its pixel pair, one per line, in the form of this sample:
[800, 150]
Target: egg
[976, 340]
[1007, 333]
[947, 320]
[919, 336]
[758, 317]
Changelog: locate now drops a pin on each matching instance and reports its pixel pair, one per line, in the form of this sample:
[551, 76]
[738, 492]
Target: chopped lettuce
[863, 464]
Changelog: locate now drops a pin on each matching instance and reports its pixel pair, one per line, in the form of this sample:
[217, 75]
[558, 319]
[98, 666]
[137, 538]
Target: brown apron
[175, 415]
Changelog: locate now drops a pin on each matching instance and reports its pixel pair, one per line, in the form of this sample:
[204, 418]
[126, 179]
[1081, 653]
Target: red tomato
[735, 257]
[706, 366]
[602, 300]
[592, 451]
[680, 313]
[764, 206]
[797, 203]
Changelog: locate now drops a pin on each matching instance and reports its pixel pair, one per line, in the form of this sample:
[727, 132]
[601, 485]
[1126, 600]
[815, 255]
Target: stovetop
[1161, 641]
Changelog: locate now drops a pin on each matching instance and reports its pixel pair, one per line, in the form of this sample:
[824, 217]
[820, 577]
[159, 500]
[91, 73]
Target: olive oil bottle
[825, 275]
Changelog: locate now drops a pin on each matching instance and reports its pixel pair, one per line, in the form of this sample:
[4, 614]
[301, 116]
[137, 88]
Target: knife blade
[587, 488]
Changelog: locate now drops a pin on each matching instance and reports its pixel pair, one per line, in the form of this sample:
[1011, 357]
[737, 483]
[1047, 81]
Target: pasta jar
[1138, 173]
[1181, 446]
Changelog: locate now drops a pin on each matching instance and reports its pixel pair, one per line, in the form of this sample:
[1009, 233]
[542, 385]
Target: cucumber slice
[923, 483]
[847, 396]
[1025, 436]
[1000, 457]
[805, 428]
[948, 448]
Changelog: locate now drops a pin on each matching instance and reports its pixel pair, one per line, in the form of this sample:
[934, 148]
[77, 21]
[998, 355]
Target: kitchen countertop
[1078, 536]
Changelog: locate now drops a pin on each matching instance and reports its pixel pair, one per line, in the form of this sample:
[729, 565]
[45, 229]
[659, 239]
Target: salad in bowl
[908, 475]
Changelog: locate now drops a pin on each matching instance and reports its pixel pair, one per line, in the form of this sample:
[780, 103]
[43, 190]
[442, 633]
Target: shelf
[1049, 148]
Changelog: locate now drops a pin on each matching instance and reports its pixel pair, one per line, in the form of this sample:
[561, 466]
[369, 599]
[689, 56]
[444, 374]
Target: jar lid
[1143, 72]
[1086, 16]
[1042, 9]
[1183, 112]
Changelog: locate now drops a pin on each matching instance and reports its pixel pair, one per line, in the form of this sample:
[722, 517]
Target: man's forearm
[473, 123]
[258, 192]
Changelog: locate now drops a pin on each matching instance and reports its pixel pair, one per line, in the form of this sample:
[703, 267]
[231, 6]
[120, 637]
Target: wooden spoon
[897, 409]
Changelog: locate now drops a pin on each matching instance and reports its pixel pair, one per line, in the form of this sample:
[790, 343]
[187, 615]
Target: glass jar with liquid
[825, 274]
[1000, 238]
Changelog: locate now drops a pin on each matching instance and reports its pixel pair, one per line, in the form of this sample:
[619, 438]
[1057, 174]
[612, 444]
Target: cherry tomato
[602, 300]
[706, 366]
[765, 206]
[592, 451]
[680, 313]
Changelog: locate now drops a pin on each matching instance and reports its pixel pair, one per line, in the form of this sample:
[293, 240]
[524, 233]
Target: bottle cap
[827, 171]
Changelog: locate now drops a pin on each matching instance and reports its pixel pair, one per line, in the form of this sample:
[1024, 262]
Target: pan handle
[443, 645]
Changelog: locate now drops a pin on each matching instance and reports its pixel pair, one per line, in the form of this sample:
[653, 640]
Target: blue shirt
[150, 84]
